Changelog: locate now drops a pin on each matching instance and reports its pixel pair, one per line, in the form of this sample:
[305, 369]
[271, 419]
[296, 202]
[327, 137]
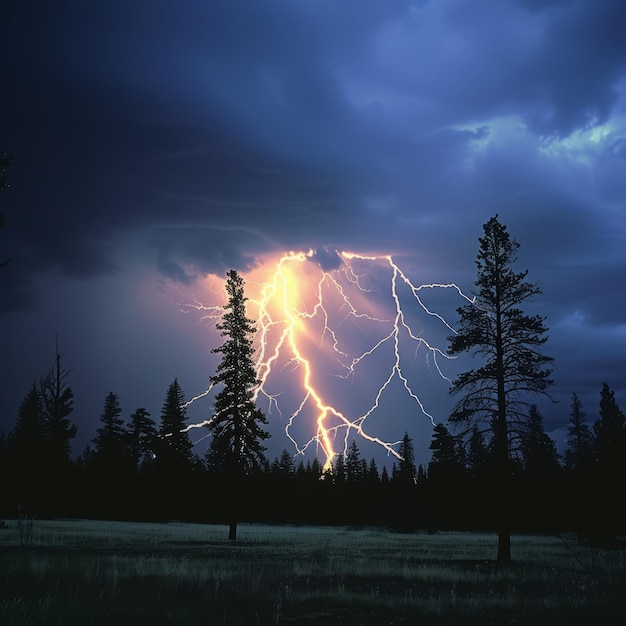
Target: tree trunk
[232, 531]
[504, 545]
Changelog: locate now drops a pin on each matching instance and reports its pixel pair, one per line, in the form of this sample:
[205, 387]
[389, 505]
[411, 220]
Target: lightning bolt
[302, 313]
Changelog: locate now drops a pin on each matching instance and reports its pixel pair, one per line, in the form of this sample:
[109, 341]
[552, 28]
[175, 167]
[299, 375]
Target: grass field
[90, 572]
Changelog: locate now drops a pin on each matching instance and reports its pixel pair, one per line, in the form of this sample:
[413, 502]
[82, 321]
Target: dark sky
[159, 142]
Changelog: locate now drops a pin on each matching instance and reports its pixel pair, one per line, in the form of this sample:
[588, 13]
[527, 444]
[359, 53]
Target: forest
[135, 471]
[493, 467]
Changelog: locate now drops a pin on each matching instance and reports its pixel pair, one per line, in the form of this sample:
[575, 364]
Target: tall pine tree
[508, 343]
[236, 426]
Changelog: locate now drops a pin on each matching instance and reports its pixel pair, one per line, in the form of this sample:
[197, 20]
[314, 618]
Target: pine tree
[579, 453]
[284, 466]
[57, 400]
[110, 441]
[354, 466]
[339, 469]
[28, 433]
[445, 464]
[508, 343]
[27, 445]
[477, 453]
[406, 470]
[540, 458]
[236, 425]
[174, 455]
[610, 430]
[609, 468]
[142, 437]
[373, 475]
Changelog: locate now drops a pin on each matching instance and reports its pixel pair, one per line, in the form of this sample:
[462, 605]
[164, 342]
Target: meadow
[100, 572]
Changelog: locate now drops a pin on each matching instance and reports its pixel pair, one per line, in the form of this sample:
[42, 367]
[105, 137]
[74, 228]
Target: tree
[28, 432]
[477, 453]
[541, 460]
[406, 470]
[579, 451]
[354, 465]
[610, 431]
[284, 466]
[236, 425]
[508, 342]
[339, 469]
[445, 466]
[57, 400]
[110, 440]
[27, 447]
[175, 450]
[142, 436]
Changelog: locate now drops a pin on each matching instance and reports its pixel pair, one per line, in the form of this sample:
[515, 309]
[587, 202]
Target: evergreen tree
[57, 400]
[406, 470]
[494, 328]
[372, 472]
[339, 469]
[27, 446]
[28, 434]
[445, 464]
[284, 466]
[236, 426]
[579, 453]
[354, 467]
[142, 438]
[609, 470]
[316, 469]
[610, 431]
[477, 453]
[540, 479]
[174, 453]
[540, 458]
[110, 441]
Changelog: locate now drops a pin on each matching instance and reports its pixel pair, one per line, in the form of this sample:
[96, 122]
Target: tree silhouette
[110, 441]
[610, 467]
[27, 446]
[142, 437]
[444, 456]
[541, 460]
[406, 473]
[57, 400]
[174, 455]
[610, 430]
[236, 426]
[284, 466]
[579, 452]
[495, 329]
[353, 463]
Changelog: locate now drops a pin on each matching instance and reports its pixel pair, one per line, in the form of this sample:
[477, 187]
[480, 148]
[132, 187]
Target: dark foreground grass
[84, 572]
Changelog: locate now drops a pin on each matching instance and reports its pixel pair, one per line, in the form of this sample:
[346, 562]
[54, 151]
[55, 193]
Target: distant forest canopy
[145, 469]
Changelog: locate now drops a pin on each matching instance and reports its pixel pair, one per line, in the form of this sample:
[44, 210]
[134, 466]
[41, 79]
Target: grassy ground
[87, 572]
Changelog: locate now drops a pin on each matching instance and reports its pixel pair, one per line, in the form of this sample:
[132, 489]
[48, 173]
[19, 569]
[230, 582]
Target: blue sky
[156, 143]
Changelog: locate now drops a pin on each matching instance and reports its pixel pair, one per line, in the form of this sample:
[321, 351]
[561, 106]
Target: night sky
[160, 143]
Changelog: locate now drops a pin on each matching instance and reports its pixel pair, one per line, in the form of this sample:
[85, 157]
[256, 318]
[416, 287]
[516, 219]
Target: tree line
[493, 465]
[146, 469]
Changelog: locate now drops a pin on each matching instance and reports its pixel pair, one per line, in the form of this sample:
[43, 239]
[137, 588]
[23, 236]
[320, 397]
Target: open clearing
[96, 572]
